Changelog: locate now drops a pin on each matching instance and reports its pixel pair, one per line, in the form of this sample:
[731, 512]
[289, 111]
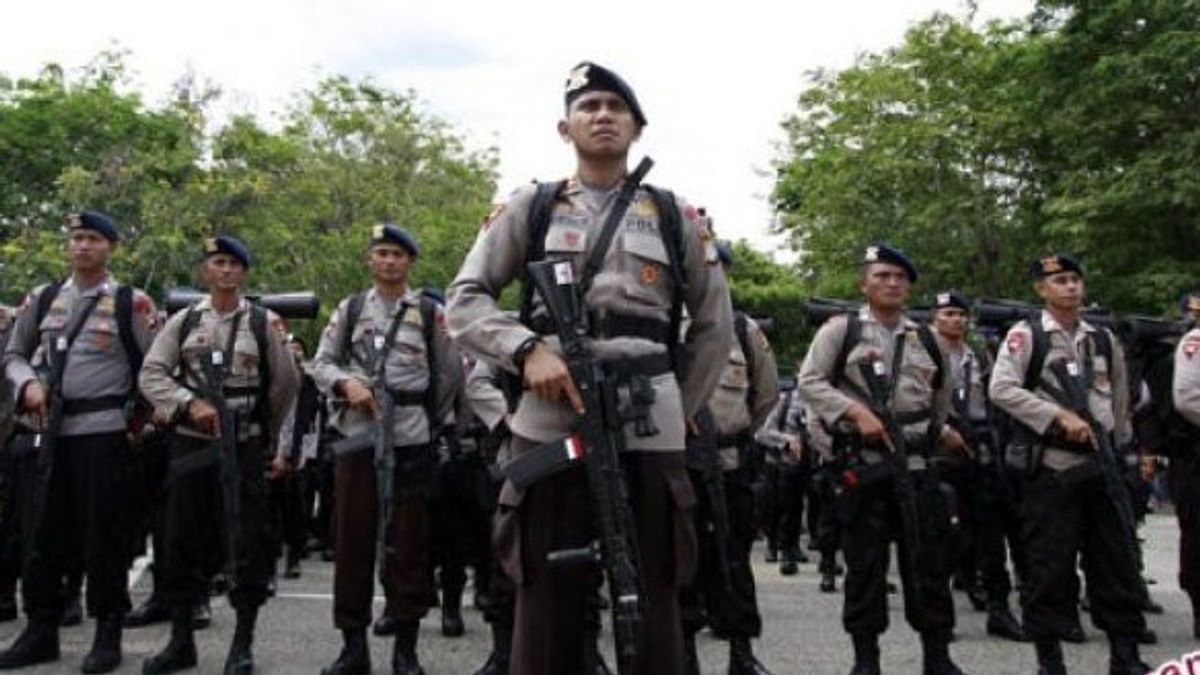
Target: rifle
[873, 373]
[299, 305]
[702, 456]
[215, 369]
[601, 431]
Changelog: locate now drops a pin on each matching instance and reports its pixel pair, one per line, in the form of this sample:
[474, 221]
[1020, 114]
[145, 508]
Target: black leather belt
[79, 406]
[404, 397]
[647, 365]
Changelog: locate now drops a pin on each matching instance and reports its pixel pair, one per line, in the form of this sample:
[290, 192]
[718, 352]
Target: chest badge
[651, 273]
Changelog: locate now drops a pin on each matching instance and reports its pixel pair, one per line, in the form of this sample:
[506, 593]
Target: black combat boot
[741, 659]
[240, 660]
[1002, 623]
[180, 652]
[404, 654]
[790, 565]
[38, 643]
[1049, 657]
[355, 658]
[452, 621]
[202, 615]
[385, 625]
[937, 655]
[1123, 656]
[105, 655]
[72, 612]
[691, 662]
[497, 661]
[828, 579]
[150, 612]
[866, 654]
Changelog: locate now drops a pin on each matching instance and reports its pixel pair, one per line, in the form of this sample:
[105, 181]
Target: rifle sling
[72, 332]
[596, 257]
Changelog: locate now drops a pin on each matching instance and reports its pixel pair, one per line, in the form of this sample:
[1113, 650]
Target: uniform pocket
[683, 528]
[646, 269]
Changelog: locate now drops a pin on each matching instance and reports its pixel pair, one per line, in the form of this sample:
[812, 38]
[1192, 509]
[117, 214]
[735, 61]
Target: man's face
[1062, 291]
[951, 322]
[223, 272]
[600, 125]
[885, 285]
[389, 263]
[89, 250]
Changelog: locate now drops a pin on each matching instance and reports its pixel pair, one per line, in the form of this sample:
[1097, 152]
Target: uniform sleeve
[285, 380]
[484, 397]
[450, 369]
[287, 429]
[814, 383]
[1008, 377]
[1122, 418]
[1185, 383]
[157, 381]
[710, 333]
[474, 317]
[22, 343]
[326, 364]
[766, 376]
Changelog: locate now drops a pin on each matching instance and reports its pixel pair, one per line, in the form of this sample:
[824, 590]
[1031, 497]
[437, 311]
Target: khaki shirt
[957, 360]
[1185, 385]
[730, 402]
[634, 280]
[97, 364]
[171, 375]
[407, 367]
[914, 391]
[484, 395]
[1108, 398]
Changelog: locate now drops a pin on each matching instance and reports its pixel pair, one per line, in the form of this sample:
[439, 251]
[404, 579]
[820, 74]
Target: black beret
[1054, 264]
[951, 299]
[394, 234]
[883, 253]
[588, 76]
[229, 245]
[95, 221]
[725, 252]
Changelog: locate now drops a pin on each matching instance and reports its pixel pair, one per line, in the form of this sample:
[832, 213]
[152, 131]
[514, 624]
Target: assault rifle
[598, 438]
[213, 390]
[703, 457]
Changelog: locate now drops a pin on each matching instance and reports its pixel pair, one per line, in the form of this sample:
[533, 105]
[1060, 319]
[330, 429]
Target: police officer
[789, 466]
[221, 339]
[1066, 512]
[744, 396]
[987, 511]
[394, 332]
[1184, 470]
[884, 342]
[78, 341]
[647, 272]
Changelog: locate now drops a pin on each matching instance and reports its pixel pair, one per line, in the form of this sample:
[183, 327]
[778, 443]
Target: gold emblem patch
[578, 78]
[872, 254]
[210, 245]
[650, 274]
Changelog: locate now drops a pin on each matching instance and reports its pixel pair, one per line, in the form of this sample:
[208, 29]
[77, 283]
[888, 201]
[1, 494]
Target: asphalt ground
[802, 629]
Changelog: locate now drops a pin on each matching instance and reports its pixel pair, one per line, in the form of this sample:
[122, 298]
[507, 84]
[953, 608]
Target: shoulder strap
[671, 229]
[429, 309]
[1104, 345]
[931, 347]
[259, 325]
[354, 310]
[851, 338]
[540, 211]
[595, 259]
[1037, 360]
[740, 327]
[125, 329]
[190, 321]
[46, 298]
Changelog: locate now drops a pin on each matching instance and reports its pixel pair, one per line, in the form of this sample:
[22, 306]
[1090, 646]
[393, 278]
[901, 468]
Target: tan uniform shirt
[634, 280]
[960, 360]
[97, 364]
[1108, 398]
[171, 374]
[407, 367]
[914, 391]
[730, 402]
[783, 427]
[1185, 385]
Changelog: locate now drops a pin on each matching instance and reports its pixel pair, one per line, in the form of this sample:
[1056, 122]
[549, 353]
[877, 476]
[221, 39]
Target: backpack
[428, 308]
[853, 336]
[1159, 426]
[743, 335]
[670, 227]
[124, 313]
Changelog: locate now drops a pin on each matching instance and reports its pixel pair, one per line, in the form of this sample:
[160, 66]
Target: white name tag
[218, 358]
[61, 343]
[378, 342]
[1073, 368]
[879, 368]
[564, 274]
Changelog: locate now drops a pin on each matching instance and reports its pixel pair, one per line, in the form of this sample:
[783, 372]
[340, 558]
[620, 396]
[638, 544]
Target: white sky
[715, 81]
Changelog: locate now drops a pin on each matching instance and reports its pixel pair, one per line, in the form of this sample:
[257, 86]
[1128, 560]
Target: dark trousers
[828, 529]
[870, 515]
[195, 526]
[961, 477]
[286, 498]
[18, 477]
[319, 500]
[407, 581]
[998, 533]
[793, 484]
[731, 610]
[1183, 478]
[1066, 516]
[462, 510]
[553, 619]
[80, 524]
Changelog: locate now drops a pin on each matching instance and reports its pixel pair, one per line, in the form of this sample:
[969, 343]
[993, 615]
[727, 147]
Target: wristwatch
[522, 351]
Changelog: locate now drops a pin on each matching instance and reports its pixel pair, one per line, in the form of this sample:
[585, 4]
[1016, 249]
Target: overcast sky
[715, 81]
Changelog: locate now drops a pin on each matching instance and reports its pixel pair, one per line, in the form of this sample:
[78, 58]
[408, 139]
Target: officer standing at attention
[1067, 514]
[221, 340]
[744, 396]
[653, 266]
[881, 340]
[988, 514]
[395, 332]
[79, 341]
